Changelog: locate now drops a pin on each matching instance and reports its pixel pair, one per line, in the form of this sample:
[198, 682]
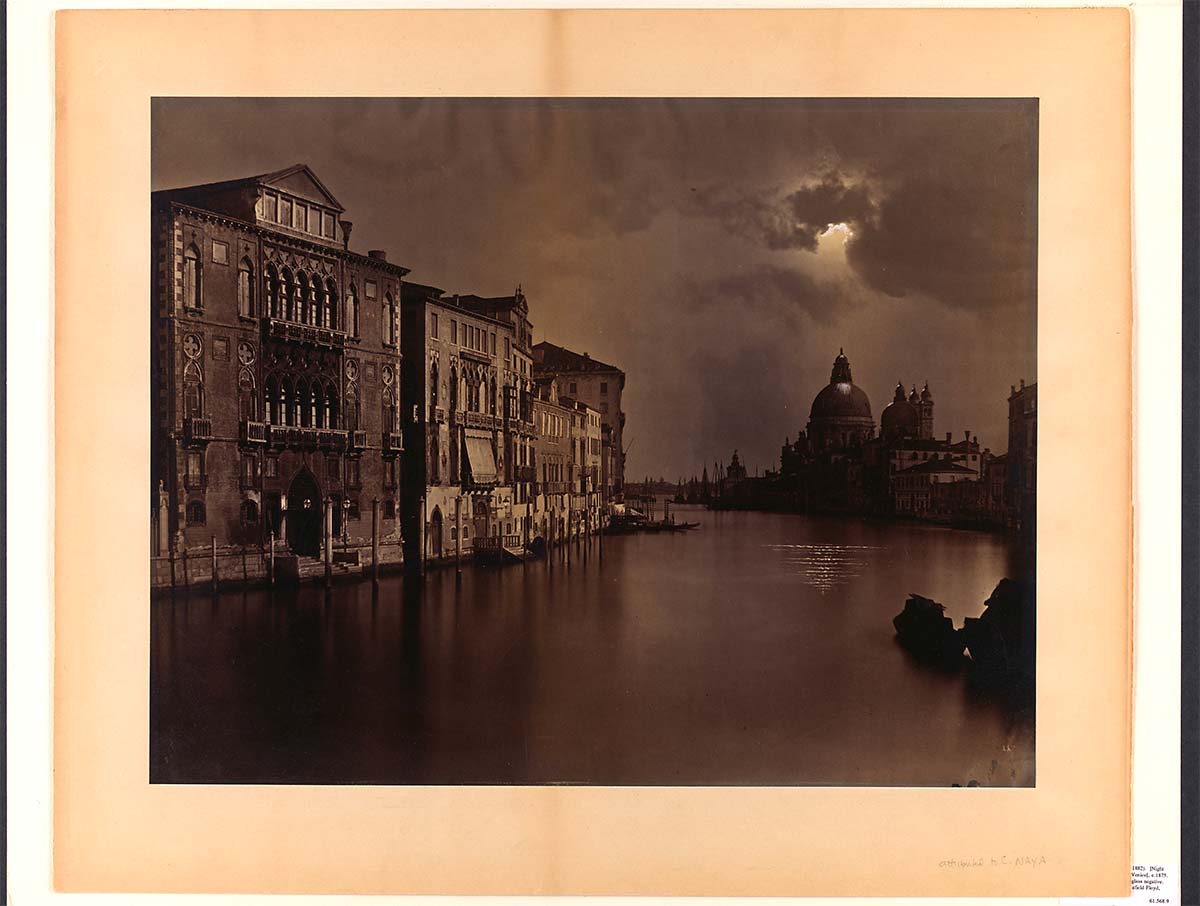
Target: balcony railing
[331, 438]
[494, 542]
[393, 442]
[439, 415]
[305, 333]
[254, 432]
[358, 440]
[198, 429]
[309, 436]
[477, 420]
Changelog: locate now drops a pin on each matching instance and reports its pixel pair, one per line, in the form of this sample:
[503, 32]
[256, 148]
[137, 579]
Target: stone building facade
[1021, 490]
[275, 363]
[580, 377]
[469, 427]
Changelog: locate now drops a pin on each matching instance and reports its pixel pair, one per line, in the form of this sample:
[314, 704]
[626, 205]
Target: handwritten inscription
[1001, 862]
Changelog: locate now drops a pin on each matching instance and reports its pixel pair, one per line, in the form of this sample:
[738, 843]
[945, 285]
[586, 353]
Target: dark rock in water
[1001, 639]
[925, 630]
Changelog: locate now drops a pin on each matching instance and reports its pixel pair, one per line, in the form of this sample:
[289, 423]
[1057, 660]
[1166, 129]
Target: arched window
[331, 407]
[246, 289]
[389, 412]
[453, 390]
[191, 277]
[193, 391]
[287, 401]
[274, 411]
[195, 512]
[303, 299]
[351, 412]
[492, 397]
[287, 290]
[273, 291]
[331, 294]
[247, 398]
[433, 384]
[389, 320]
[352, 312]
[249, 511]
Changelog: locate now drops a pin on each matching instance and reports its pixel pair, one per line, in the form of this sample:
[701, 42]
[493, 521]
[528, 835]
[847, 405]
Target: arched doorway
[435, 534]
[304, 515]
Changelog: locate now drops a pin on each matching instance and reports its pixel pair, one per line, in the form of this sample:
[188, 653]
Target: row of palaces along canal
[758, 649]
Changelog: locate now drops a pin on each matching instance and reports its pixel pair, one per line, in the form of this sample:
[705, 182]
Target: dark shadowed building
[598, 385]
[275, 363]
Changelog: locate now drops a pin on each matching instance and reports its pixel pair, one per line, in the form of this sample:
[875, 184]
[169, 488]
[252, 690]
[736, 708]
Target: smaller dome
[899, 416]
[926, 396]
[913, 397]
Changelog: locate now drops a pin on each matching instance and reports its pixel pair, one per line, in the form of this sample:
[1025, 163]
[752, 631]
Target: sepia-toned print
[622, 442]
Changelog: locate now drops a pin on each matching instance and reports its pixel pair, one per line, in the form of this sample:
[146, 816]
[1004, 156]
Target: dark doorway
[304, 515]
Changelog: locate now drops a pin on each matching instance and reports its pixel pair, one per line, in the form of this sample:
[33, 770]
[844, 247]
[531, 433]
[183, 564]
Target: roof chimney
[377, 254]
[948, 437]
[347, 227]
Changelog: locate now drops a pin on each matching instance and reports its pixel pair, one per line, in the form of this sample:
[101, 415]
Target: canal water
[758, 649]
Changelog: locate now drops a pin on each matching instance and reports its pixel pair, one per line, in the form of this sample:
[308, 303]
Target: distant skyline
[719, 251]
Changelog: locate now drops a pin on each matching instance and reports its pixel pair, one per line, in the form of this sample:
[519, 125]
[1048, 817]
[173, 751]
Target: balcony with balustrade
[393, 442]
[307, 334]
[198, 430]
[253, 432]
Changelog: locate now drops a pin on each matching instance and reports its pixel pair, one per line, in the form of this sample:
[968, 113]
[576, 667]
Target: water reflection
[671, 659]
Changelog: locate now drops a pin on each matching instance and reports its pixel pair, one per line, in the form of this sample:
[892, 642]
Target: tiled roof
[550, 358]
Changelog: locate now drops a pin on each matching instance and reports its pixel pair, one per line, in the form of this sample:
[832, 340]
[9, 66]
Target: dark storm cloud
[941, 205]
[781, 292]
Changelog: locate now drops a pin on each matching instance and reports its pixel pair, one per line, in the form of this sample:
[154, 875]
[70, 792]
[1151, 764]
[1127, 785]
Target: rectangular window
[603, 387]
[301, 217]
[493, 344]
[194, 473]
[354, 511]
[507, 350]
[314, 220]
[433, 331]
[327, 226]
[270, 207]
[372, 289]
[573, 388]
[220, 252]
[285, 211]
[249, 470]
[389, 473]
[271, 467]
[333, 468]
[453, 331]
[389, 509]
[353, 477]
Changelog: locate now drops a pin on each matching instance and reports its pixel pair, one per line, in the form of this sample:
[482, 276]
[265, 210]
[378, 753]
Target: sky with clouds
[689, 241]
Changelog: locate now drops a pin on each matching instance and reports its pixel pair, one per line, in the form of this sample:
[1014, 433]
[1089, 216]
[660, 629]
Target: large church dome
[841, 412]
[841, 399]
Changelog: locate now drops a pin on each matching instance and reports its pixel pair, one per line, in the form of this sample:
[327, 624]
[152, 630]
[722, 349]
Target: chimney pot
[347, 227]
[1022, 383]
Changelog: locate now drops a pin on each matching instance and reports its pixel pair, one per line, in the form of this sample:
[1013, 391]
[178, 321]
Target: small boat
[925, 630]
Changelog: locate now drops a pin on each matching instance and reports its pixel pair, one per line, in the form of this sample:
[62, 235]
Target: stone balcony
[253, 432]
[198, 430]
[307, 334]
[393, 442]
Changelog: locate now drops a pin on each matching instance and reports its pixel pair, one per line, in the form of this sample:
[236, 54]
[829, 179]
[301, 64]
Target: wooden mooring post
[375, 539]
[271, 558]
[216, 580]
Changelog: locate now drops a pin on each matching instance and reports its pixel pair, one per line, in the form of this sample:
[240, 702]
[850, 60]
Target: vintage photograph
[607, 441]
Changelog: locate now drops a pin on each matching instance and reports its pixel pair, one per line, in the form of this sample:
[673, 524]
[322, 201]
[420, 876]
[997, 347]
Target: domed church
[908, 418]
[841, 412]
